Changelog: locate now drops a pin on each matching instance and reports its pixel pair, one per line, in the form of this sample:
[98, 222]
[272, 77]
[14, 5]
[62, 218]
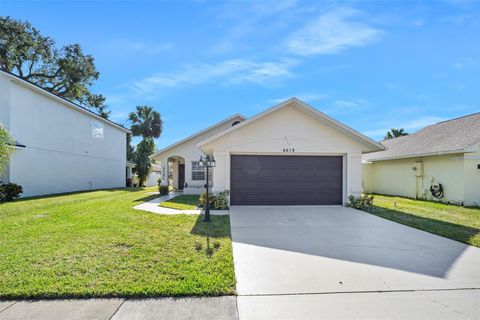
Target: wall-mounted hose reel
[437, 190]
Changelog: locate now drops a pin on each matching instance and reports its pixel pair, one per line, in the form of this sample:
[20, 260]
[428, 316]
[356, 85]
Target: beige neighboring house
[446, 153]
[290, 154]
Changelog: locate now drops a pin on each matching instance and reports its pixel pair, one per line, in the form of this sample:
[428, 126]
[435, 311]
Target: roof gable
[302, 106]
[196, 134]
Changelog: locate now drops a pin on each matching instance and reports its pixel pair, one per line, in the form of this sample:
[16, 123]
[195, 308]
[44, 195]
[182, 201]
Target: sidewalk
[153, 206]
[208, 308]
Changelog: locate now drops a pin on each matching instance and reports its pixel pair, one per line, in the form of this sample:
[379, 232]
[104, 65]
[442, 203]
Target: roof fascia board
[237, 115]
[354, 133]
[62, 100]
[319, 114]
[429, 154]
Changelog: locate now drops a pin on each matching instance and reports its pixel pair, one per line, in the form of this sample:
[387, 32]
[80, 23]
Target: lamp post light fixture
[207, 162]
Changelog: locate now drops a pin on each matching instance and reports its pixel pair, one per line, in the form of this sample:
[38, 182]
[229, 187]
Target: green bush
[203, 198]
[362, 202]
[221, 200]
[6, 150]
[10, 191]
[217, 202]
[163, 190]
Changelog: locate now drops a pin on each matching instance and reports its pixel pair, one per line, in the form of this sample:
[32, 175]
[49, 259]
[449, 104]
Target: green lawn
[183, 202]
[93, 244]
[454, 222]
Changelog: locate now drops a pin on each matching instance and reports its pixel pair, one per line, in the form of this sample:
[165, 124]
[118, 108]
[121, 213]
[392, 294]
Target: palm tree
[146, 123]
[394, 133]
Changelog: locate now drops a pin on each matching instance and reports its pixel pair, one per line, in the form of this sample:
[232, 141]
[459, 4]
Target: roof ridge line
[460, 117]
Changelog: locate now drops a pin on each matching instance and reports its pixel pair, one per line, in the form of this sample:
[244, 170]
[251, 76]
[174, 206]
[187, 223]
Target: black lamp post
[207, 162]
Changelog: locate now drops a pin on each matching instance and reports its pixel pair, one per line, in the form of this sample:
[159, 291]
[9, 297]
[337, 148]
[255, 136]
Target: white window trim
[94, 127]
[197, 170]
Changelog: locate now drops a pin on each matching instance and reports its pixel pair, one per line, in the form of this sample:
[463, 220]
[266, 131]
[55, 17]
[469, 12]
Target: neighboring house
[61, 147]
[446, 153]
[290, 154]
[153, 176]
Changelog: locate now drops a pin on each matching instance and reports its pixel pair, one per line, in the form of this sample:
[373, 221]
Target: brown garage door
[286, 180]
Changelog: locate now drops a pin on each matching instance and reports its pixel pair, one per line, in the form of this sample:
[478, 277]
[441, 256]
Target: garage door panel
[286, 180]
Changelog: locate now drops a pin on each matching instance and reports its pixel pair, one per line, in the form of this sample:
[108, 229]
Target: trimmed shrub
[221, 200]
[10, 191]
[203, 198]
[217, 201]
[163, 190]
[362, 202]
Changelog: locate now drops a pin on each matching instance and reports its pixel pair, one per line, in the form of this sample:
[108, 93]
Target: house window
[198, 172]
[97, 130]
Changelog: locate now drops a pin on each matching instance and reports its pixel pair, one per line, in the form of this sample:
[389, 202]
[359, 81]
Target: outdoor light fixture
[207, 162]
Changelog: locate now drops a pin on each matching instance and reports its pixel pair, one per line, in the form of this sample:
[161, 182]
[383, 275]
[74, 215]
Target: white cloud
[242, 21]
[409, 126]
[465, 63]
[343, 105]
[419, 22]
[332, 32]
[230, 71]
[349, 103]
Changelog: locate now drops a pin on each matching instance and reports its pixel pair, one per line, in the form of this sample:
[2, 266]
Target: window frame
[197, 169]
[97, 125]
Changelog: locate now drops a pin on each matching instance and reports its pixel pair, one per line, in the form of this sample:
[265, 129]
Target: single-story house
[439, 162]
[152, 178]
[61, 146]
[290, 154]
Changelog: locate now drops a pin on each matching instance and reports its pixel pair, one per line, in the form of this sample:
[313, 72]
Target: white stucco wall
[472, 178]
[396, 177]
[190, 152]
[60, 155]
[290, 128]
[152, 179]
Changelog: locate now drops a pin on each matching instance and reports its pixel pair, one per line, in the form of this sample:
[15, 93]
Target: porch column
[354, 174]
[175, 173]
[164, 172]
[219, 172]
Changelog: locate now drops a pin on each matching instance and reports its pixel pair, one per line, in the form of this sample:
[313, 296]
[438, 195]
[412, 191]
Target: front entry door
[181, 176]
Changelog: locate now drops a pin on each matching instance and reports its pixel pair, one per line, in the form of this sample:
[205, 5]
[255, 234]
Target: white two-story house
[60, 146]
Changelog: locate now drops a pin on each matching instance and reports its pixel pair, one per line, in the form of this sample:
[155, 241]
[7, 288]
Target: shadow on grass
[218, 227]
[446, 229]
[147, 198]
[53, 195]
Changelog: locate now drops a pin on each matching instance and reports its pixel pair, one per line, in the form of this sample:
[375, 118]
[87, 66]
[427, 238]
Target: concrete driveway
[337, 263]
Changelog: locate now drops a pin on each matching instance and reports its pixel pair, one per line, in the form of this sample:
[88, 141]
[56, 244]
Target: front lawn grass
[93, 244]
[451, 221]
[183, 202]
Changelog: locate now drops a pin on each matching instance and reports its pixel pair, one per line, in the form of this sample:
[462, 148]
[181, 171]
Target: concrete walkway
[339, 263]
[213, 308]
[153, 206]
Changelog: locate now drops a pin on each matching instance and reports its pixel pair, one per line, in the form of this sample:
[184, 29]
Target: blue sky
[372, 65]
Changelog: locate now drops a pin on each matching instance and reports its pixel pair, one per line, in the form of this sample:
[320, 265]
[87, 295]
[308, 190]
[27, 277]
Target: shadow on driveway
[351, 235]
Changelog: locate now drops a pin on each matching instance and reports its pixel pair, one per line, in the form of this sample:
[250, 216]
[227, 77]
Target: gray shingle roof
[443, 137]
